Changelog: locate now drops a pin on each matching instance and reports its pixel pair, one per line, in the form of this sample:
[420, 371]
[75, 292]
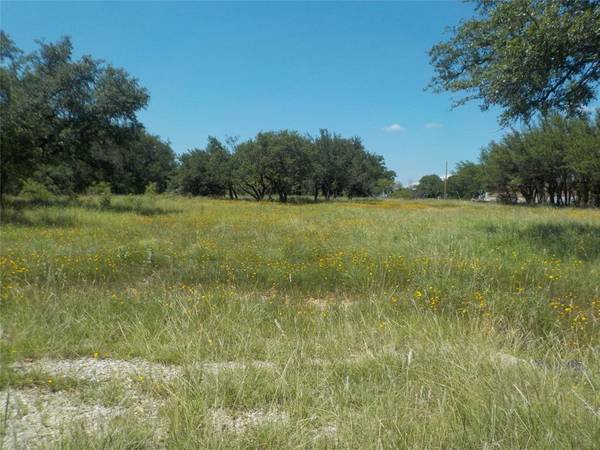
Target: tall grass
[383, 319]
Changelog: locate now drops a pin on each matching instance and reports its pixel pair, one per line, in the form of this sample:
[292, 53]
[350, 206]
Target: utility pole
[446, 183]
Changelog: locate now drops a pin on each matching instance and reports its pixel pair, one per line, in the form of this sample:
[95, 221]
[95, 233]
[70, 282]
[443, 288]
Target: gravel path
[38, 416]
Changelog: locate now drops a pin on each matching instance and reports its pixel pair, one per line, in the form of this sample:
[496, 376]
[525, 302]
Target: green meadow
[239, 324]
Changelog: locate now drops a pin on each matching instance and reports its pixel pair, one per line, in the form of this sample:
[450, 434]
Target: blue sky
[237, 68]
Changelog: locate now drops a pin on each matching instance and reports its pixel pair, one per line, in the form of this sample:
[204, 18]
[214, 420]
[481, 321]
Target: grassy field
[193, 323]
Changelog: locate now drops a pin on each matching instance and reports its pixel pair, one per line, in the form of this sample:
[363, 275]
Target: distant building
[495, 197]
[489, 197]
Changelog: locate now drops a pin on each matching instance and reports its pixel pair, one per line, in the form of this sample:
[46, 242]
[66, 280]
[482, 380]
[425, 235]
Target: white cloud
[433, 125]
[393, 128]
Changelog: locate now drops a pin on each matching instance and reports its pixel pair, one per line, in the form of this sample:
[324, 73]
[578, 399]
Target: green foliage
[467, 182]
[70, 122]
[284, 163]
[205, 172]
[103, 191]
[556, 162]
[151, 189]
[250, 168]
[400, 191]
[18, 115]
[384, 186]
[35, 192]
[430, 186]
[146, 160]
[343, 166]
[526, 56]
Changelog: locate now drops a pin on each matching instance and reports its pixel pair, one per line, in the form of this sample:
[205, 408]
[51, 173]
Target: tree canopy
[467, 181]
[430, 186]
[524, 56]
[557, 161]
[69, 122]
[283, 163]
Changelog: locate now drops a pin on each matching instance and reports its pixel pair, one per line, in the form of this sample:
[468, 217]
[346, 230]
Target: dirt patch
[358, 358]
[98, 370]
[239, 422]
[36, 417]
[328, 432]
[217, 367]
[506, 360]
[325, 304]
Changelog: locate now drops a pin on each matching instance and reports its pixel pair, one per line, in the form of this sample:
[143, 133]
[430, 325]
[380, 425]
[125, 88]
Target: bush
[35, 192]
[402, 192]
[101, 189]
[151, 189]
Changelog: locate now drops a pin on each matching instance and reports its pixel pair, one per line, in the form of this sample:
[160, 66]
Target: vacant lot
[186, 323]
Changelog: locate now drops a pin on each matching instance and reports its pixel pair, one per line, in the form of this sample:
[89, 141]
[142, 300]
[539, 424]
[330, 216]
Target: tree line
[538, 62]
[284, 163]
[69, 124]
[554, 162]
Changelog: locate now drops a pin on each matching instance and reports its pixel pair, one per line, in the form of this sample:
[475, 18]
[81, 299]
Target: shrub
[402, 192]
[151, 189]
[102, 190]
[35, 192]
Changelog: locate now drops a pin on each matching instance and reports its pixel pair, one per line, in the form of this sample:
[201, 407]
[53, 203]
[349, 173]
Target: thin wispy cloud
[432, 125]
[393, 128]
